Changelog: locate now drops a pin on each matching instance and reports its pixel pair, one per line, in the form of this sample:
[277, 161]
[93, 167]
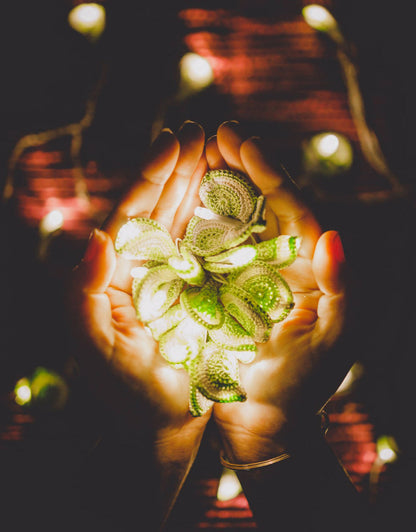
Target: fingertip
[165, 144]
[98, 264]
[329, 263]
[191, 127]
[227, 127]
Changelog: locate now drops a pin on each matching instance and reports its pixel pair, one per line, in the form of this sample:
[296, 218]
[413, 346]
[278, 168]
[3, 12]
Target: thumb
[329, 263]
[96, 269]
[88, 304]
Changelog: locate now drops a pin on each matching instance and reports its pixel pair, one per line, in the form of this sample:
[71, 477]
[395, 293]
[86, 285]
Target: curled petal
[165, 323]
[246, 311]
[198, 403]
[203, 306]
[143, 239]
[216, 375]
[183, 342]
[154, 293]
[232, 336]
[229, 193]
[188, 268]
[263, 282]
[232, 260]
[281, 251]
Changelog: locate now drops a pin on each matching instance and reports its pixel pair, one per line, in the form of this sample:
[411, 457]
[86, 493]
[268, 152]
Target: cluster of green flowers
[210, 298]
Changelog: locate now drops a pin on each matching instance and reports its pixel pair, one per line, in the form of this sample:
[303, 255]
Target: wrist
[246, 446]
[179, 444]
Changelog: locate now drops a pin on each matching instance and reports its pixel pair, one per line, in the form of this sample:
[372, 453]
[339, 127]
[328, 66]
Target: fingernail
[165, 132]
[190, 124]
[95, 240]
[338, 248]
[230, 122]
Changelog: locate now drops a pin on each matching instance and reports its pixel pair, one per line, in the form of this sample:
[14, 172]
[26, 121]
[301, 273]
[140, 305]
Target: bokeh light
[195, 71]
[319, 18]
[88, 19]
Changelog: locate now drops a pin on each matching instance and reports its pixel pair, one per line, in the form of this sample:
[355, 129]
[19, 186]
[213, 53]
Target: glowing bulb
[22, 391]
[386, 449]
[88, 19]
[328, 145]
[51, 222]
[196, 72]
[229, 486]
[319, 18]
[327, 153]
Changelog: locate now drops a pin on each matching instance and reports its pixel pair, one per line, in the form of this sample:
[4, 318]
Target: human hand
[301, 365]
[120, 359]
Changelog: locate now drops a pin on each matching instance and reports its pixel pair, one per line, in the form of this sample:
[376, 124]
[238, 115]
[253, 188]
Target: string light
[196, 73]
[51, 222]
[387, 449]
[88, 19]
[207, 300]
[319, 18]
[22, 391]
[327, 153]
[229, 486]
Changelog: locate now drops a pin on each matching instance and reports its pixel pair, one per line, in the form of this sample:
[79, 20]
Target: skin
[119, 359]
[294, 373]
[301, 366]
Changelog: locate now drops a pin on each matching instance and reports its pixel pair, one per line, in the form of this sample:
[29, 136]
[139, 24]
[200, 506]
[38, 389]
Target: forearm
[308, 492]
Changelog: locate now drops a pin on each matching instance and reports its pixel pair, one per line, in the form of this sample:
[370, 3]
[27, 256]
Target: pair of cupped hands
[294, 373]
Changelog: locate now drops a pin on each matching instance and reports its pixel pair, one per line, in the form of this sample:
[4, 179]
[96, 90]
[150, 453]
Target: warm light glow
[53, 221]
[386, 449]
[327, 153]
[23, 393]
[88, 19]
[229, 486]
[319, 18]
[328, 145]
[196, 72]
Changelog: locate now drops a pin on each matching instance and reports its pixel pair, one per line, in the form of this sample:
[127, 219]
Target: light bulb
[196, 71]
[319, 18]
[88, 19]
[51, 222]
[23, 393]
[328, 145]
[327, 153]
[387, 449]
[229, 486]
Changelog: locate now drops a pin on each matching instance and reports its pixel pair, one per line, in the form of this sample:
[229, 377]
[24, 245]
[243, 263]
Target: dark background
[282, 80]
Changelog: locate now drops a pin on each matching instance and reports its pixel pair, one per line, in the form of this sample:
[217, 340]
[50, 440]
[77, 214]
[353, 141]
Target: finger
[328, 264]
[329, 268]
[282, 195]
[229, 138]
[191, 138]
[190, 201]
[214, 158]
[90, 305]
[96, 269]
[142, 197]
